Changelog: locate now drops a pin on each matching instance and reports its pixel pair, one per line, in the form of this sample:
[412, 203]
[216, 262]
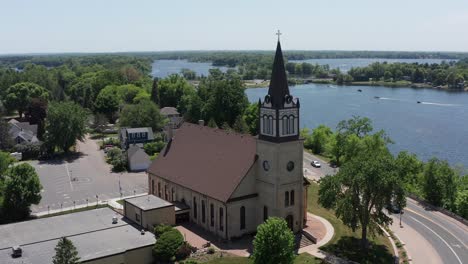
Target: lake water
[437, 127]
[164, 68]
[346, 64]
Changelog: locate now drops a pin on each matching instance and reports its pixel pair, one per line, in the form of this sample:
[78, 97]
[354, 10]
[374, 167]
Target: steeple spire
[278, 84]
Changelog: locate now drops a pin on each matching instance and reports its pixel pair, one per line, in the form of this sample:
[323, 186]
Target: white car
[315, 164]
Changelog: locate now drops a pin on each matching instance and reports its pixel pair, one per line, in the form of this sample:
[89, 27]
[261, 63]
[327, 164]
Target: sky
[56, 26]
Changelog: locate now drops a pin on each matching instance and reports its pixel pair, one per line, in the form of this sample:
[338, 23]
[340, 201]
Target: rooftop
[148, 202]
[169, 111]
[92, 232]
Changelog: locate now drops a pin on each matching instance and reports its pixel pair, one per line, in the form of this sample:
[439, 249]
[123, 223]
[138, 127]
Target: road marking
[443, 240]
[446, 230]
[69, 176]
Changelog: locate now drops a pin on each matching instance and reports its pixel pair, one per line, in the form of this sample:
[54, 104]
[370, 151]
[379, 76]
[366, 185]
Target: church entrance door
[289, 221]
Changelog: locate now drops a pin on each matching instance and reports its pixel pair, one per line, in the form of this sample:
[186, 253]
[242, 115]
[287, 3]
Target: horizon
[52, 26]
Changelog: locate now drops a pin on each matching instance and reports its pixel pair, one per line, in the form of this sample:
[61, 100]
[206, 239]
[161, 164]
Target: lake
[346, 64]
[437, 127]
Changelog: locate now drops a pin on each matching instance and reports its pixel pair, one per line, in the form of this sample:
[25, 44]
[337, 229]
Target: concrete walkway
[314, 249]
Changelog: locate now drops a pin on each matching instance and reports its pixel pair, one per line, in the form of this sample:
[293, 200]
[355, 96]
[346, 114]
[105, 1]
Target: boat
[377, 97]
[419, 102]
[359, 90]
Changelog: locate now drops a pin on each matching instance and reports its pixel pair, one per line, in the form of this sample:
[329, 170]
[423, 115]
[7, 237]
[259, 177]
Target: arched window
[270, 121]
[203, 213]
[291, 125]
[212, 215]
[152, 186]
[195, 207]
[166, 195]
[173, 194]
[284, 125]
[159, 190]
[292, 197]
[286, 199]
[242, 217]
[265, 213]
[221, 219]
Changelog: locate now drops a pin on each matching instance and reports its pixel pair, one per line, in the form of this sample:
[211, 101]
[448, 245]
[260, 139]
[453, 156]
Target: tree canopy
[18, 96]
[65, 252]
[143, 114]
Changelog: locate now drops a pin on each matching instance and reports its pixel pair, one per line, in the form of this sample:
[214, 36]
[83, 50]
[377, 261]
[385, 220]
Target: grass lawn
[300, 259]
[120, 201]
[345, 242]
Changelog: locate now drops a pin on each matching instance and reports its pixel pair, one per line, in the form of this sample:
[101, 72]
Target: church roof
[278, 84]
[207, 160]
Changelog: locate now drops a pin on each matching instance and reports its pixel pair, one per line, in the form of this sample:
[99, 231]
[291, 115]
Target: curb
[410, 259]
[395, 249]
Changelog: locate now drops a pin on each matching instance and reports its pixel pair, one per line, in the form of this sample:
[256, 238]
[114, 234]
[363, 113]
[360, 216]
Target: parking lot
[84, 178]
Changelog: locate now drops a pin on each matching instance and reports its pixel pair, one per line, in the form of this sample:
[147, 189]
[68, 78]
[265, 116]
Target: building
[174, 117]
[137, 158]
[233, 182]
[94, 233]
[22, 132]
[148, 211]
[139, 135]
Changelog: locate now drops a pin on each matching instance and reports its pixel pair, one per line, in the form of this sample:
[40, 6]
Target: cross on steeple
[279, 34]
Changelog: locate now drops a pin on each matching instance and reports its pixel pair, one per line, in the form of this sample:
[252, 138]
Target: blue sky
[114, 25]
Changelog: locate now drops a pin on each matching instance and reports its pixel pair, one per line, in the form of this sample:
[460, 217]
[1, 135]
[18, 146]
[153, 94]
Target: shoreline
[401, 84]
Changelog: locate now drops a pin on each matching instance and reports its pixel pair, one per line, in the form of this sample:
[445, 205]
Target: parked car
[315, 164]
[393, 209]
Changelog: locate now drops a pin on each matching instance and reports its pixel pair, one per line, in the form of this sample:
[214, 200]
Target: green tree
[19, 96]
[66, 123]
[171, 90]
[251, 118]
[6, 142]
[143, 114]
[240, 125]
[5, 161]
[274, 242]
[362, 188]
[409, 167]
[22, 188]
[440, 183]
[65, 252]
[153, 147]
[320, 137]
[37, 112]
[212, 123]
[461, 203]
[107, 102]
[167, 245]
[154, 91]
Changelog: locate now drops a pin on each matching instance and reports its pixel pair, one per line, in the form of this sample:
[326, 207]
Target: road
[78, 180]
[430, 236]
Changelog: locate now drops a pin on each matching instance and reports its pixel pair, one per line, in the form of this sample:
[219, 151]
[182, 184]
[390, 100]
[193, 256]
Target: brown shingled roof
[206, 160]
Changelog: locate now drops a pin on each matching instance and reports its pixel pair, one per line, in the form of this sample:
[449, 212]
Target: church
[229, 183]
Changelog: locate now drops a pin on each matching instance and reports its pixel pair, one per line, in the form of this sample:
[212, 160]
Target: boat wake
[439, 104]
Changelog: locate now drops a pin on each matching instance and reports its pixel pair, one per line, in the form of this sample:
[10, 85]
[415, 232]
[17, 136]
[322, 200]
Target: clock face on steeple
[279, 111]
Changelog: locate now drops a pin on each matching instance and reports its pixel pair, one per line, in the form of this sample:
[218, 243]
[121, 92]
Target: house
[230, 183]
[137, 158]
[139, 135]
[100, 236]
[22, 132]
[174, 117]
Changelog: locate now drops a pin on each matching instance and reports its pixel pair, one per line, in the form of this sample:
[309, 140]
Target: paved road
[78, 180]
[430, 236]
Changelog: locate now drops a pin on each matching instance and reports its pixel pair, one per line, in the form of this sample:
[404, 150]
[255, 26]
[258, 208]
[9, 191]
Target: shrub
[184, 251]
[153, 147]
[274, 242]
[188, 262]
[167, 245]
[29, 150]
[161, 229]
[210, 250]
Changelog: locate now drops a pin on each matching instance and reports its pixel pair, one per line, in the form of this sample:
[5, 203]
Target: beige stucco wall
[234, 223]
[150, 218]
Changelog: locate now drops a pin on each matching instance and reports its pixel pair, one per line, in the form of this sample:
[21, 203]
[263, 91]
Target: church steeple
[279, 113]
[279, 83]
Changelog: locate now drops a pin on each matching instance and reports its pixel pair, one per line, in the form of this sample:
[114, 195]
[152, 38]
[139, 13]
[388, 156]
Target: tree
[22, 188]
[409, 167]
[212, 123]
[107, 102]
[320, 138]
[66, 123]
[251, 118]
[6, 142]
[362, 188]
[167, 245]
[274, 242]
[5, 161]
[439, 183]
[171, 90]
[143, 114]
[240, 125]
[65, 252]
[19, 96]
[37, 112]
[154, 92]
[462, 203]
[153, 147]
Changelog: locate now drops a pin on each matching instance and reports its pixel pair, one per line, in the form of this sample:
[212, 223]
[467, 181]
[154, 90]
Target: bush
[274, 242]
[161, 229]
[184, 251]
[29, 150]
[117, 159]
[153, 147]
[167, 245]
[210, 250]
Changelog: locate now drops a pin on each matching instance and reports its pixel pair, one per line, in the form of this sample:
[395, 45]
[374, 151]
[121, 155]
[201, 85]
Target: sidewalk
[314, 249]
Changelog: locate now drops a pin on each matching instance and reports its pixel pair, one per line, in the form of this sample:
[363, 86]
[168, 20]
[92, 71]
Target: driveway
[78, 180]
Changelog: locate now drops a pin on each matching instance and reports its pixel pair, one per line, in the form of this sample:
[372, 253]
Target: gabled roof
[137, 154]
[278, 84]
[207, 160]
[169, 111]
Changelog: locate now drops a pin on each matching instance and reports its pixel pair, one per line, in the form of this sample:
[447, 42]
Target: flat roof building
[96, 237]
